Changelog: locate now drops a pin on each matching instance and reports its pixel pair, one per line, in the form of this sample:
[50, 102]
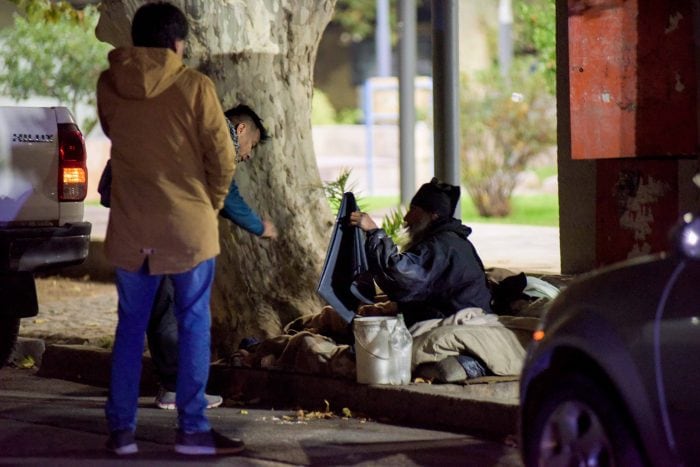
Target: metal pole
[446, 91]
[407, 92]
[505, 37]
[369, 134]
[382, 39]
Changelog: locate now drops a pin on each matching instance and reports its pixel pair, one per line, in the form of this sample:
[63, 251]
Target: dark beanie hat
[437, 197]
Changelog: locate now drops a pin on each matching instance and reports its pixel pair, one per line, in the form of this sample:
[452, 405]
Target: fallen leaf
[27, 362]
[347, 413]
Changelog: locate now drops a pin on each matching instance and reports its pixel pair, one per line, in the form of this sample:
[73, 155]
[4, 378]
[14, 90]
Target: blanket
[499, 341]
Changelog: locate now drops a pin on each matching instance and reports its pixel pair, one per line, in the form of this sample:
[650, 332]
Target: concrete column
[446, 90]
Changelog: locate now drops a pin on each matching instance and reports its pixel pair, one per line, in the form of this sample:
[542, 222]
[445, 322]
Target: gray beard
[417, 231]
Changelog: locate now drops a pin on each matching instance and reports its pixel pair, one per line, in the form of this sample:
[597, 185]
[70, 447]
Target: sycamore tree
[52, 51]
[260, 53]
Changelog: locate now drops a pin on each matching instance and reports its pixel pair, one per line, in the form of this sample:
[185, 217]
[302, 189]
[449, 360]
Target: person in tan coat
[172, 162]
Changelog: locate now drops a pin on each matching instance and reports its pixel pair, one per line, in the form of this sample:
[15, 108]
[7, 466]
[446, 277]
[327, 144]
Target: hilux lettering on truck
[24, 138]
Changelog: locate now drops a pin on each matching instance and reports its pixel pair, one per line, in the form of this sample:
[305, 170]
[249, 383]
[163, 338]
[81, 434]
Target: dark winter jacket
[436, 277]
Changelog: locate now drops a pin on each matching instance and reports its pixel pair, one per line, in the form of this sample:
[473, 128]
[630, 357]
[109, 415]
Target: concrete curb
[484, 409]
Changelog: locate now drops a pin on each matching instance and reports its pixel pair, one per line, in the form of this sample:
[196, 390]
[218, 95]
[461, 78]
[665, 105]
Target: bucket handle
[370, 352]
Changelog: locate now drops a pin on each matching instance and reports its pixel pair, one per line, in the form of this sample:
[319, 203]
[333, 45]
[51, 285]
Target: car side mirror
[686, 236]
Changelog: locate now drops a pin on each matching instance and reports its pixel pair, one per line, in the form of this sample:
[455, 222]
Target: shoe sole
[216, 404]
[166, 406]
[125, 450]
[206, 450]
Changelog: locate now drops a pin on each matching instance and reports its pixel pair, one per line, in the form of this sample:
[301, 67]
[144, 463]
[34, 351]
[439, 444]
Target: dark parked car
[613, 374]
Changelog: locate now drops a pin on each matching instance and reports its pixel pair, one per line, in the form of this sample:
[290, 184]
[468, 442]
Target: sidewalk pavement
[487, 409]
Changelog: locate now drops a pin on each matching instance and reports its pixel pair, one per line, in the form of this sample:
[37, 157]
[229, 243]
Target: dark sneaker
[122, 442]
[207, 443]
[166, 400]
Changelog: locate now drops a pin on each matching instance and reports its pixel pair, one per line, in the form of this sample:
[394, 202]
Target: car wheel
[577, 420]
[9, 328]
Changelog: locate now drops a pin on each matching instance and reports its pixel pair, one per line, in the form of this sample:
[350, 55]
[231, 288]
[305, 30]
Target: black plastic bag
[104, 186]
[345, 280]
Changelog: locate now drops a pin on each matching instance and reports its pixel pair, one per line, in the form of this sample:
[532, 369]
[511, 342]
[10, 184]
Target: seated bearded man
[439, 272]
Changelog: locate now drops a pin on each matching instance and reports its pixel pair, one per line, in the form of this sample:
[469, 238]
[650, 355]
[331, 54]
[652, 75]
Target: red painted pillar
[633, 102]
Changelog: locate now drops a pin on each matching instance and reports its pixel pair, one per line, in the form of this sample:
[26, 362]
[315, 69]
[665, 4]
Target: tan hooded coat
[172, 160]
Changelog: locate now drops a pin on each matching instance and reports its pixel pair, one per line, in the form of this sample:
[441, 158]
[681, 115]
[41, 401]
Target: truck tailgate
[28, 166]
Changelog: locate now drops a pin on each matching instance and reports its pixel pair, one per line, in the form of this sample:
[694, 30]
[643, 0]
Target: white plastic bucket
[374, 357]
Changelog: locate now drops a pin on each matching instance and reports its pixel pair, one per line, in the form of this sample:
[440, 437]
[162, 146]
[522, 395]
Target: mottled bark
[260, 53]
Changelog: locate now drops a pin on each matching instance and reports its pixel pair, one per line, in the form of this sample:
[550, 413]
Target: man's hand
[270, 231]
[387, 308]
[362, 220]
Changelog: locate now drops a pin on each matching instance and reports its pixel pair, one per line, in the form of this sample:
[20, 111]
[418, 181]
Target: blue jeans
[136, 291]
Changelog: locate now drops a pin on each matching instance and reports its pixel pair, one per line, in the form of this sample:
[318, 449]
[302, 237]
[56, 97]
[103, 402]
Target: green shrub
[322, 111]
[505, 124]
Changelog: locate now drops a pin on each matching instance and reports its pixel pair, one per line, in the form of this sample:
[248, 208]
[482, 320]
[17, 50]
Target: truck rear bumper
[34, 248]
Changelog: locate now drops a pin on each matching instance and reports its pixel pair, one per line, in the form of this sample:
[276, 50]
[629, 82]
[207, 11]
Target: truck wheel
[9, 328]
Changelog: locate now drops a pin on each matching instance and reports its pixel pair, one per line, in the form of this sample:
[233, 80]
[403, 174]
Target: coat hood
[450, 225]
[143, 72]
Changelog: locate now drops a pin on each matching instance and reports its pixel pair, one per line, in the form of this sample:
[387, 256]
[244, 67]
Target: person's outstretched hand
[269, 231]
[362, 220]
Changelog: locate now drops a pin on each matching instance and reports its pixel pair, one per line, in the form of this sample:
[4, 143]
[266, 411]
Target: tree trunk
[260, 53]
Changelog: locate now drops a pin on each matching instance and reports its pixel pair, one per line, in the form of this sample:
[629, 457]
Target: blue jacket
[237, 211]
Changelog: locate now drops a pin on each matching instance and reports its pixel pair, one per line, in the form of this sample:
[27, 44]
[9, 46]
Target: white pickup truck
[43, 182]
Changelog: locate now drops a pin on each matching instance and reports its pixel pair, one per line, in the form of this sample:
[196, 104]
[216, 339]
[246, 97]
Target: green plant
[348, 116]
[322, 111]
[393, 225]
[358, 17]
[52, 51]
[503, 128]
[335, 189]
[104, 342]
[535, 30]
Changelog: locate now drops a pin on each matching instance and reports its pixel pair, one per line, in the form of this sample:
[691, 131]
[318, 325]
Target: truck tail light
[72, 168]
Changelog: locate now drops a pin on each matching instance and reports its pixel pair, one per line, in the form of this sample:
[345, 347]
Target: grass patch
[537, 209]
[378, 203]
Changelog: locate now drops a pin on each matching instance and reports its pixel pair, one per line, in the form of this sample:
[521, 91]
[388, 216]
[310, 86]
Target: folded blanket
[500, 342]
[473, 316]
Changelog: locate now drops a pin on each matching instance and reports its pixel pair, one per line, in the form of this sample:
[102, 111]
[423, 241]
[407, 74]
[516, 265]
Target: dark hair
[242, 112]
[158, 24]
